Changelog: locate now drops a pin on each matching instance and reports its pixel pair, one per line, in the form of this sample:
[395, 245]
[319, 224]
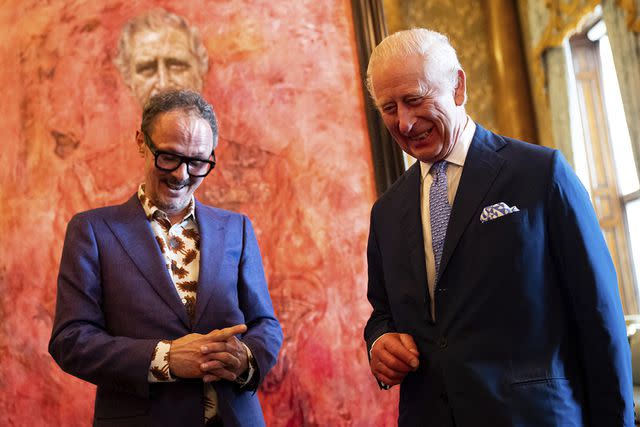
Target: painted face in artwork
[162, 60]
[424, 117]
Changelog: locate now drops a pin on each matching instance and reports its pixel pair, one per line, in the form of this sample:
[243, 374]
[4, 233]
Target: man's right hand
[393, 356]
[185, 355]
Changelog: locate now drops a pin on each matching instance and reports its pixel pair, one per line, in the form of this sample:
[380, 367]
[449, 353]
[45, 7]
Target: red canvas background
[293, 155]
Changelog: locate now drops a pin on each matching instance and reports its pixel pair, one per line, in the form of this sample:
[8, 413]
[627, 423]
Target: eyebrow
[177, 61]
[155, 147]
[146, 64]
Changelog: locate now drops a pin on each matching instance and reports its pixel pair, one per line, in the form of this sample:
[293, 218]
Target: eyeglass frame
[182, 159]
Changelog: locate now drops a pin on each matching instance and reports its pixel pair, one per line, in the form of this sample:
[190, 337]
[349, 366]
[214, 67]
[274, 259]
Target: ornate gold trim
[630, 9]
[564, 18]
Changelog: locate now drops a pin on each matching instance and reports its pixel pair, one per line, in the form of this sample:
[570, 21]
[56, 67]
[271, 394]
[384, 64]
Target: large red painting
[294, 155]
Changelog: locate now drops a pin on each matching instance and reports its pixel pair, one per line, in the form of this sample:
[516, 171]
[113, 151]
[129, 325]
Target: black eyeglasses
[168, 162]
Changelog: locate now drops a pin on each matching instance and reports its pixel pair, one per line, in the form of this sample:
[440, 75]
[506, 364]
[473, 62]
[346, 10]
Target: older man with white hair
[159, 51]
[495, 300]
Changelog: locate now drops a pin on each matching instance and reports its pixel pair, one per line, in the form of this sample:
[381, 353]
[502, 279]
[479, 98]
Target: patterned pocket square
[496, 211]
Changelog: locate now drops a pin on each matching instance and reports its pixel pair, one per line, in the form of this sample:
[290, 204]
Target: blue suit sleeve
[380, 321]
[587, 271]
[264, 335]
[79, 342]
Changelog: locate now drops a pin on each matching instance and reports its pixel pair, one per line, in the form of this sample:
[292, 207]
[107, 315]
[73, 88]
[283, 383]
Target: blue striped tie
[439, 210]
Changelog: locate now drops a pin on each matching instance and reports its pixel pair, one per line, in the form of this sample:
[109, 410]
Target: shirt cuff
[159, 369]
[246, 376]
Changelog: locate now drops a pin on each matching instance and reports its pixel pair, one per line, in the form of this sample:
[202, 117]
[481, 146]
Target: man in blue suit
[495, 300]
[162, 301]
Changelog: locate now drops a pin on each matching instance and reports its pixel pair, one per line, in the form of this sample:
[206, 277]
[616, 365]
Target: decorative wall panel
[294, 155]
[465, 23]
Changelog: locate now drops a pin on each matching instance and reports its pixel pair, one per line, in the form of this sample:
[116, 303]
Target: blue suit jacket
[529, 328]
[116, 300]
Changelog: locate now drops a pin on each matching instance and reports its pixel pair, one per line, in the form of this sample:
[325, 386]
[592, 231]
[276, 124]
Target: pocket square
[496, 211]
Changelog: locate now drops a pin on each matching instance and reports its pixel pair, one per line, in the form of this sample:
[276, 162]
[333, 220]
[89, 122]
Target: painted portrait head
[158, 51]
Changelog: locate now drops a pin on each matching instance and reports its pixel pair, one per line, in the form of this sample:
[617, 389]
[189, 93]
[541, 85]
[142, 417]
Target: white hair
[443, 64]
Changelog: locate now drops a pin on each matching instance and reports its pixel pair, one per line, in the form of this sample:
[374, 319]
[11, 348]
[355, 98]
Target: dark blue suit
[529, 328]
[116, 300]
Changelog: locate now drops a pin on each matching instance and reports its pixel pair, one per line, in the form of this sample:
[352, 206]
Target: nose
[163, 76]
[181, 173]
[406, 120]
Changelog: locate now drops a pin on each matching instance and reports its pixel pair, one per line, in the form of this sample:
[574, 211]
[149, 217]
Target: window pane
[620, 140]
[633, 220]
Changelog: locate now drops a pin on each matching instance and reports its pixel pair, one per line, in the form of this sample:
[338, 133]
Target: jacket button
[442, 342]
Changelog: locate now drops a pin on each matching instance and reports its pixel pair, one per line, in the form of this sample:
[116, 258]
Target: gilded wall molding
[631, 10]
[563, 17]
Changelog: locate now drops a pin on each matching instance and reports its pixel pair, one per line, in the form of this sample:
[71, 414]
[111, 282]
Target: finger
[212, 366]
[395, 376]
[397, 349]
[226, 359]
[386, 380]
[223, 374]
[392, 362]
[226, 333]
[381, 354]
[409, 343]
[209, 378]
[214, 347]
[234, 343]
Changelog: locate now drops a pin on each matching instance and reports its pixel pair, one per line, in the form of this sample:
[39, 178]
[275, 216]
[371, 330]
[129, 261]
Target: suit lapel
[132, 230]
[481, 168]
[412, 227]
[212, 244]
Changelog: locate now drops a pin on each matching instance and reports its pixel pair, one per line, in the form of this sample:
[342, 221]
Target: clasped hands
[393, 356]
[212, 357]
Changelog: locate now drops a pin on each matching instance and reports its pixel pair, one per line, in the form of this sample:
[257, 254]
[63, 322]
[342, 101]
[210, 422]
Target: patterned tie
[439, 210]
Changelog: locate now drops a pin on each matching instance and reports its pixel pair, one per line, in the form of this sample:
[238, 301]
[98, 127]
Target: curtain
[557, 73]
[625, 45]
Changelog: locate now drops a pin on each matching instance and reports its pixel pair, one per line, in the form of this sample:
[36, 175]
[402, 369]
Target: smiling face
[162, 60]
[182, 133]
[425, 118]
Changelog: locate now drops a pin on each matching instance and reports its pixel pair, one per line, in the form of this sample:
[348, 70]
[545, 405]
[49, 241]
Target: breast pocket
[493, 246]
[505, 220]
[504, 233]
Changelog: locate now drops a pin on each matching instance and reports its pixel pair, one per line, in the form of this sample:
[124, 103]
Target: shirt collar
[150, 209]
[459, 152]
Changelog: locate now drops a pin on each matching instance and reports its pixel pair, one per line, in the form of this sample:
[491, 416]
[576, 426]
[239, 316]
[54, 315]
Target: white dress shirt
[454, 170]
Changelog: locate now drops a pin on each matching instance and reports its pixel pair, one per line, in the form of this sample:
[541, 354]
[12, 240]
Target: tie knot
[438, 169]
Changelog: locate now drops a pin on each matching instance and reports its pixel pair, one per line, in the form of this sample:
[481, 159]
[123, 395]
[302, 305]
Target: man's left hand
[225, 360]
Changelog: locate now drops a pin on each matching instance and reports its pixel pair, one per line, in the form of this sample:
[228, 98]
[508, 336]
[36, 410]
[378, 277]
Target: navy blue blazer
[529, 328]
[116, 300]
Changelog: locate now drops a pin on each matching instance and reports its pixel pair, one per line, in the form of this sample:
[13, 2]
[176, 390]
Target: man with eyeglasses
[162, 301]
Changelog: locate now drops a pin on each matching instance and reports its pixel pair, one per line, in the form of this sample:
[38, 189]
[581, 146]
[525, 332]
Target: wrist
[245, 376]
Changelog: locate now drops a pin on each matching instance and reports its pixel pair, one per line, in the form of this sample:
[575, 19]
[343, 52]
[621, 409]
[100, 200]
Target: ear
[460, 92]
[140, 142]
